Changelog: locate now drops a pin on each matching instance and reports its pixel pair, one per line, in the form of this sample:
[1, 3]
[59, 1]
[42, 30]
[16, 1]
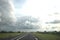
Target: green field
[47, 36]
[7, 35]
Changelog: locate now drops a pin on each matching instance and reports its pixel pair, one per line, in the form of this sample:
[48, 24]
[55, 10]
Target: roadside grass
[47, 36]
[7, 35]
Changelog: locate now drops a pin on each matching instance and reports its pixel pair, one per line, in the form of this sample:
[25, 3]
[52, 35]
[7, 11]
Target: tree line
[53, 32]
[9, 32]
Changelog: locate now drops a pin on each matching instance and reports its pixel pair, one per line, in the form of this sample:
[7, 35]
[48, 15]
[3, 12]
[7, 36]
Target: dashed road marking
[36, 38]
[20, 37]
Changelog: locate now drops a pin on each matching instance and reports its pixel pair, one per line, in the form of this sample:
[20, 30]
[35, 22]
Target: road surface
[27, 36]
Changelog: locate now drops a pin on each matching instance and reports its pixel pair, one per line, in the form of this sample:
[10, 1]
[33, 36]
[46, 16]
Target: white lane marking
[15, 38]
[36, 38]
[18, 37]
[22, 37]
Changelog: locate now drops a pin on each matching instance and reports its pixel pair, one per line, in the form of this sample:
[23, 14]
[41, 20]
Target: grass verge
[47, 36]
[7, 35]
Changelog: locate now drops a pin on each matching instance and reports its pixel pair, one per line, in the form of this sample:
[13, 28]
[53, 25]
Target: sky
[44, 10]
[9, 21]
[41, 15]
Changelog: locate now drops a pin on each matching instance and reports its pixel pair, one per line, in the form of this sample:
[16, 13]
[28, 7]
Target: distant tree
[3, 32]
[10, 32]
[18, 31]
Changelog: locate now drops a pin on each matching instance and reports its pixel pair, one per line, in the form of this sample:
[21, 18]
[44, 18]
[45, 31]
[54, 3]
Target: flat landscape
[7, 35]
[30, 36]
[47, 36]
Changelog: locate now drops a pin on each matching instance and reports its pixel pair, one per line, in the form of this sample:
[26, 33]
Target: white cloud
[43, 9]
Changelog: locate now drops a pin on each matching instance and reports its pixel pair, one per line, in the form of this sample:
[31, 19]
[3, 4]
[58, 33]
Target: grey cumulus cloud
[27, 22]
[54, 22]
[8, 20]
[6, 11]
[7, 16]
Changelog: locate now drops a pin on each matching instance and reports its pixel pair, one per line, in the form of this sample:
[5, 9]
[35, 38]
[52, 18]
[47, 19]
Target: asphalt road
[27, 36]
